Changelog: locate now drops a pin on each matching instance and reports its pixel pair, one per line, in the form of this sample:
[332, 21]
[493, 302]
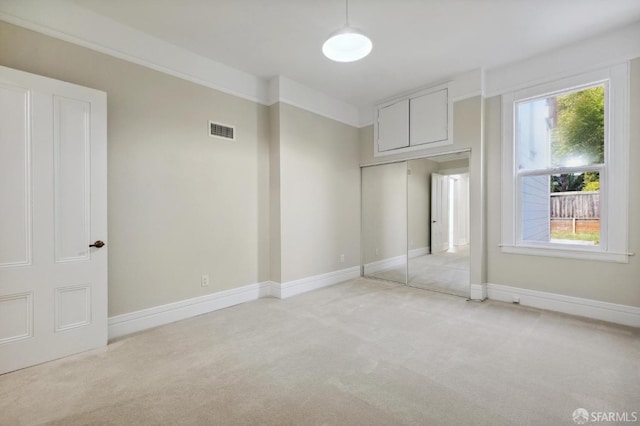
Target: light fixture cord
[347, 12]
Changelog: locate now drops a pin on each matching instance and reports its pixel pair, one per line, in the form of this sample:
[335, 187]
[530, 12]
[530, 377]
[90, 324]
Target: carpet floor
[363, 352]
[446, 272]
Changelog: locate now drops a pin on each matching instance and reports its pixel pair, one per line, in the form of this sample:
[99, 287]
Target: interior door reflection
[438, 211]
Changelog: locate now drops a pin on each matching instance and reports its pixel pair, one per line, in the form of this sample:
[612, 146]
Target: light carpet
[363, 352]
[445, 272]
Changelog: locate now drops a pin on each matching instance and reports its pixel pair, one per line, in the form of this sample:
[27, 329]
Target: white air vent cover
[223, 131]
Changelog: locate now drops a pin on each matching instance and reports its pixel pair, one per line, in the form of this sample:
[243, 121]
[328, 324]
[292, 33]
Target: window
[565, 167]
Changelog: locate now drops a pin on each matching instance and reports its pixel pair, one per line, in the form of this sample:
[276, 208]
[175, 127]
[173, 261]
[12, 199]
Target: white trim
[598, 52]
[418, 157]
[478, 292]
[282, 89]
[614, 177]
[467, 96]
[419, 252]
[567, 251]
[121, 325]
[611, 312]
[508, 192]
[384, 264]
[467, 85]
[74, 24]
[293, 288]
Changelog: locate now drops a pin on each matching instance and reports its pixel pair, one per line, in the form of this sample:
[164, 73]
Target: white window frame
[614, 175]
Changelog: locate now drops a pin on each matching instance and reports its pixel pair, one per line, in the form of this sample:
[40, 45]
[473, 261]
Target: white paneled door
[53, 208]
[439, 213]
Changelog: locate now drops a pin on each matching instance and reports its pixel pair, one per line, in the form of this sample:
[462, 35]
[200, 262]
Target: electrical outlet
[204, 282]
[342, 258]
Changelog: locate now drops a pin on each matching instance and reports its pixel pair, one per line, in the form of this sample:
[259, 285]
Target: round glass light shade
[347, 45]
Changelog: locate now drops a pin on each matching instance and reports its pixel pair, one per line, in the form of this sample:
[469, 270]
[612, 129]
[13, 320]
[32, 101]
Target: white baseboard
[292, 288]
[133, 322]
[419, 252]
[121, 325]
[394, 262]
[611, 312]
[384, 264]
[478, 292]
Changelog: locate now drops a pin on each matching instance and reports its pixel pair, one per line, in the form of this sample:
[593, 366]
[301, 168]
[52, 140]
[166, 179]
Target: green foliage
[592, 186]
[579, 130]
[586, 236]
[567, 182]
[591, 181]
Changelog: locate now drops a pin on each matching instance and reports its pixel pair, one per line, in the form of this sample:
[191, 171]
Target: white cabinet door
[53, 206]
[429, 121]
[393, 126]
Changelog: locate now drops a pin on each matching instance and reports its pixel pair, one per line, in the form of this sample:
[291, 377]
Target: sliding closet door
[384, 222]
[438, 212]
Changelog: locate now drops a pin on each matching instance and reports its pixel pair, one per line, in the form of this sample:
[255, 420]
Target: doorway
[445, 268]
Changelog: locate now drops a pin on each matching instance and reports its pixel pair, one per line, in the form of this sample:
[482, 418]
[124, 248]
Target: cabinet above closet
[413, 122]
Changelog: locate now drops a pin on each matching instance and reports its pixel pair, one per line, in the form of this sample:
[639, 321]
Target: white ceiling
[416, 42]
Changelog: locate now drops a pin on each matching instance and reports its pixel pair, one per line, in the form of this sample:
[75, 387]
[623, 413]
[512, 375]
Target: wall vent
[223, 131]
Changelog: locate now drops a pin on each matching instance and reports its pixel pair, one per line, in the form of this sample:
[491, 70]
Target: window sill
[567, 253]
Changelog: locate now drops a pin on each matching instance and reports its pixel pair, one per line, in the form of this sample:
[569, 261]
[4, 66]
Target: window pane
[562, 209]
[575, 208]
[564, 130]
[535, 208]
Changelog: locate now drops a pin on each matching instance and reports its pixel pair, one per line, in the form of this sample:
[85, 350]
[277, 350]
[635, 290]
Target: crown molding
[283, 89]
[66, 21]
[597, 52]
[74, 24]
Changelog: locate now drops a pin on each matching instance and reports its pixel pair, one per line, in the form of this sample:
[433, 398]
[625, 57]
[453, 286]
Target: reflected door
[439, 213]
[53, 285]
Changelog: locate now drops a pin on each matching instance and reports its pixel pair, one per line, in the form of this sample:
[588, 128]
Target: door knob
[97, 244]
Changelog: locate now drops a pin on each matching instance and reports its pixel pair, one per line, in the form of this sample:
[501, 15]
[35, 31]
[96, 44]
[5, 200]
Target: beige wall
[320, 194]
[604, 281]
[180, 203]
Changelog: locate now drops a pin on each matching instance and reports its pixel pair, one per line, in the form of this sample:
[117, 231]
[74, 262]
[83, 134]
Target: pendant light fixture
[347, 44]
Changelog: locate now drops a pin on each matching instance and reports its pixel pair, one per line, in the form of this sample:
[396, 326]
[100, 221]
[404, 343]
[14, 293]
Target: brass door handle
[97, 244]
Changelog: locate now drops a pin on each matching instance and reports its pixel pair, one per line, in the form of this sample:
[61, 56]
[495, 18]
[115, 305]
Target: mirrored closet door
[438, 225]
[384, 222]
[415, 223]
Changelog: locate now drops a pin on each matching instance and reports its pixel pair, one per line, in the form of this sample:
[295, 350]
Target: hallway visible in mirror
[438, 223]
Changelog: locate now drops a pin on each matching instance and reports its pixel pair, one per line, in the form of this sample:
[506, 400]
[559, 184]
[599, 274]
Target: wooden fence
[576, 212]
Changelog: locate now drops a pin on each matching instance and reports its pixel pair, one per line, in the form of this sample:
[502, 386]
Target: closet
[415, 216]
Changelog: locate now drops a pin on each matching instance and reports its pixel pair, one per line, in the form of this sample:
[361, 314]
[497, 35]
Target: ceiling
[415, 42]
